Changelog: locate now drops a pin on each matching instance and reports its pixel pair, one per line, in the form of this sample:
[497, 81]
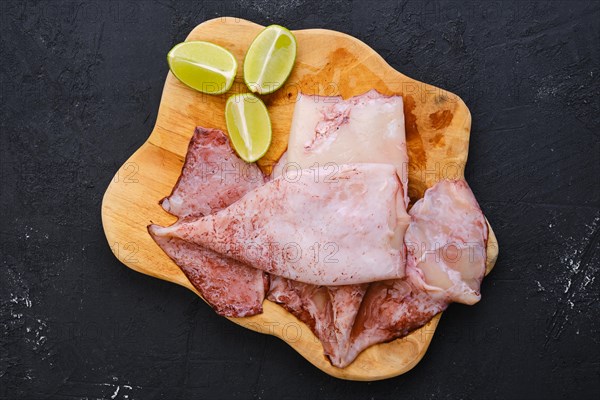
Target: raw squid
[231, 288]
[346, 228]
[213, 177]
[345, 303]
[329, 311]
[390, 310]
[446, 244]
[331, 226]
[363, 129]
[328, 131]
[311, 305]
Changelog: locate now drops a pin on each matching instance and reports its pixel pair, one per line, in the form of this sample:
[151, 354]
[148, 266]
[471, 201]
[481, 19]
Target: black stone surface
[81, 84]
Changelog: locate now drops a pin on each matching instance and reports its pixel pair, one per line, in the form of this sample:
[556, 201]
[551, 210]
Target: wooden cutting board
[329, 64]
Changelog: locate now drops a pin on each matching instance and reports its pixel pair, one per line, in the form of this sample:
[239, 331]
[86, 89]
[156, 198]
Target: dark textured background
[81, 84]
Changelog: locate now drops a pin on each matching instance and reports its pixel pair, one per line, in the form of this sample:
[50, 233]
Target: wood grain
[328, 63]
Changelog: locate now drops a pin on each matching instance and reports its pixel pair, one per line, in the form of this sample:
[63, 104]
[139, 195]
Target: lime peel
[203, 66]
[259, 81]
[244, 126]
[249, 126]
[269, 60]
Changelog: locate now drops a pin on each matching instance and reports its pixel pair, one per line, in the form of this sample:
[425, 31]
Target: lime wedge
[203, 66]
[249, 126]
[269, 59]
